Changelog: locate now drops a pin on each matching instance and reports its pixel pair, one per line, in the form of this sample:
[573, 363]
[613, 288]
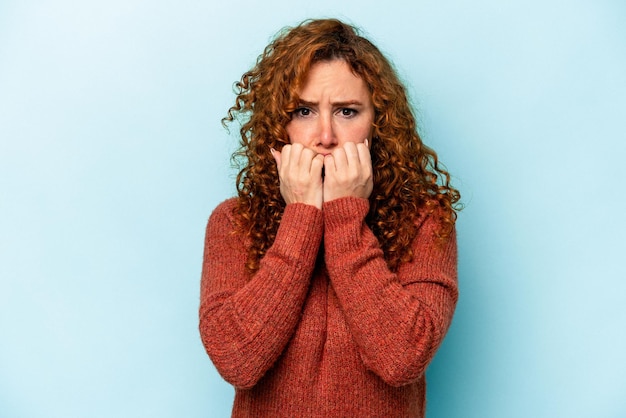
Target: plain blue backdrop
[112, 157]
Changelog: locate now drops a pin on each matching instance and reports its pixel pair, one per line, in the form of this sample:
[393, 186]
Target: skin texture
[331, 129]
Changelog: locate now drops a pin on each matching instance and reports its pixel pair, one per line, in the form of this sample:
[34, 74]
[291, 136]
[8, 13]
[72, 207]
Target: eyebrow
[338, 104]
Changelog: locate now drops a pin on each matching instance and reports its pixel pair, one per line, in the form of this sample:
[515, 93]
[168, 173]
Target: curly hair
[408, 178]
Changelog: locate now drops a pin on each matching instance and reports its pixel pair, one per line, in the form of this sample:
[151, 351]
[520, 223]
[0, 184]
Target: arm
[397, 320]
[246, 322]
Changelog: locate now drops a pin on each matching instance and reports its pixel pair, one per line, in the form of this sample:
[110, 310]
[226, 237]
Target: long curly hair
[408, 179]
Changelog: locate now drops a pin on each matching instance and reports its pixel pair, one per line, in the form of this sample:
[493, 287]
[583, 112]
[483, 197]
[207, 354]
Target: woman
[330, 281]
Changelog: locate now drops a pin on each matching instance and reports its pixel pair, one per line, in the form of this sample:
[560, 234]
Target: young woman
[330, 281]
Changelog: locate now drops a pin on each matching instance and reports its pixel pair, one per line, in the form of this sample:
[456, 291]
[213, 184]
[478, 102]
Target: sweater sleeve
[246, 321]
[398, 320]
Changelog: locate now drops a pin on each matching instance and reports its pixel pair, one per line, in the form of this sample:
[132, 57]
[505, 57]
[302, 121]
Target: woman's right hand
[300, 174]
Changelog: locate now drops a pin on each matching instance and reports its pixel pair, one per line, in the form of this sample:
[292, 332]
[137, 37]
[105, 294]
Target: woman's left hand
[348, 172]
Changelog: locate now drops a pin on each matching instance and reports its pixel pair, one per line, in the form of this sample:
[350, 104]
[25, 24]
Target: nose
[326, 132]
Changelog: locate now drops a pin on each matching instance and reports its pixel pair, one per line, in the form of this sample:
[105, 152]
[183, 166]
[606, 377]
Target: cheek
[365, 127]
[366, 131]
[289, 130]
[294, 133]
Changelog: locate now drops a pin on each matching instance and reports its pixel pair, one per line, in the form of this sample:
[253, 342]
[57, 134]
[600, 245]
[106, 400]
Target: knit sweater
[324, 328]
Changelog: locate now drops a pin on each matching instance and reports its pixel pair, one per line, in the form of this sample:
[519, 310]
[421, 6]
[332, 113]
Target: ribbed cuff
[343, 220]
[300, 231]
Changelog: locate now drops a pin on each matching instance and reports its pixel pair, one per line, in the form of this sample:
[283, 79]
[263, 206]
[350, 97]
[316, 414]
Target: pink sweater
[324, 329]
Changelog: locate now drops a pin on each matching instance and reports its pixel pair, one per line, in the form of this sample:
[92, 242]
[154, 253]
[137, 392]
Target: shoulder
[435, 219]
[223, 214]
[225, 207]
[434, 245]
[429, 213]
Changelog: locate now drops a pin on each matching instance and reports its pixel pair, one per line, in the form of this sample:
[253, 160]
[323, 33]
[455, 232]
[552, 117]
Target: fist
[300, 174]
[348, 172]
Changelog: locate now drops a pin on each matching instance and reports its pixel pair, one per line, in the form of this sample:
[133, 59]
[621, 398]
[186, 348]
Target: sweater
[324, 328]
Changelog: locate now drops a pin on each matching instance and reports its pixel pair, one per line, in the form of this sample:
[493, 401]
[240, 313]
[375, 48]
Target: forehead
[333, 77]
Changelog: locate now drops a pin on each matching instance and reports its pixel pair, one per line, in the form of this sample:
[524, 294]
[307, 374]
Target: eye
[348, 112]
[302, 112]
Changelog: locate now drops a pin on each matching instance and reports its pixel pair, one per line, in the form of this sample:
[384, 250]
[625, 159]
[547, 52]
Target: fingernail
[272, 150]
[367, 142]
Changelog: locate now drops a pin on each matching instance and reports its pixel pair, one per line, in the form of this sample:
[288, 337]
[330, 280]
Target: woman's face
[335, 107]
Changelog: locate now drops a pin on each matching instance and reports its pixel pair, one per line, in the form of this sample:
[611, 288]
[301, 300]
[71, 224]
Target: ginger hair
[409, 181]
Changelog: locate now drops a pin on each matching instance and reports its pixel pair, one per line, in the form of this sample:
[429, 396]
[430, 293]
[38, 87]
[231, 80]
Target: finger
[340, 159]
[295, 155]
[296, 149]
[329, 164]
[305, 159]
[352, 155]
[316, 166]
[300, 163]
[365, 157]
[277, 157]
[285, 157]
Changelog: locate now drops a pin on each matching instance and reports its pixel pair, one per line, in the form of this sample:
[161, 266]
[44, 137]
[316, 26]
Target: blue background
[112, 157]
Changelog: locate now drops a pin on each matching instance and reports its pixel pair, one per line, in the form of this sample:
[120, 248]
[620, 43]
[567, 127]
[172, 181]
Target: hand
[348, 172]
[300, 174]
